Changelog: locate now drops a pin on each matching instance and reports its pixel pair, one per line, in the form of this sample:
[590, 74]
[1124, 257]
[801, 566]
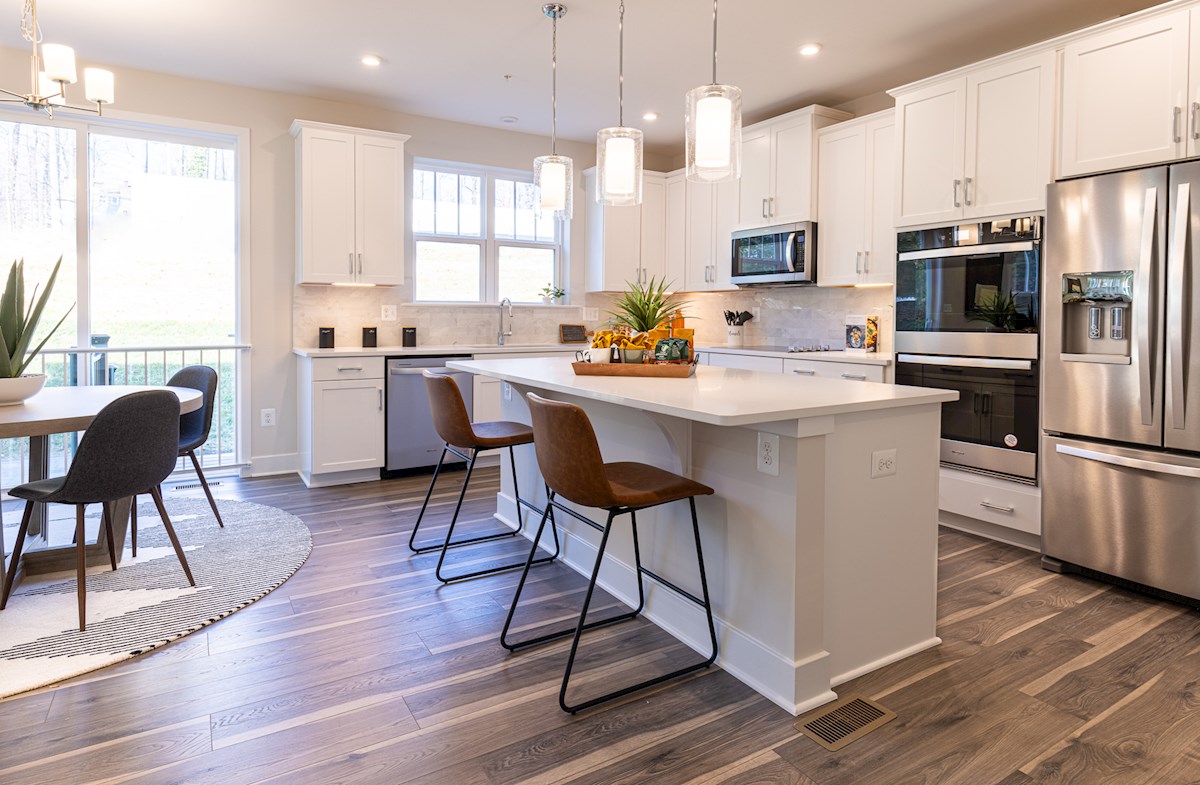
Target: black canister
[325, 338]
[370, 337]
[408, 336]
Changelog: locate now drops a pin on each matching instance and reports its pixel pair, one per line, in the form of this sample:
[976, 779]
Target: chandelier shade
[713, 126]
[619, 149]
[554, 174]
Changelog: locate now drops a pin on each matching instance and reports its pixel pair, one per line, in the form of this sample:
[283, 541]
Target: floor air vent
[849, 719]
[183, 486]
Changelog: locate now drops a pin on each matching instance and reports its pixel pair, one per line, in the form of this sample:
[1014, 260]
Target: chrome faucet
[500, 334]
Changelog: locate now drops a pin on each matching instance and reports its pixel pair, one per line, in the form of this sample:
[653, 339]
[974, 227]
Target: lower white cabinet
[486, 399]
[1008, 504]
[341, 419]
[850, 371]
[746, 362]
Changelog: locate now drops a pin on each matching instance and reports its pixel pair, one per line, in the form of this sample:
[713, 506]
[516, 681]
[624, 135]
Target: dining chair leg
[204, 484]
[133, 524]
[16, 554]
[156, 494]
[108, 533]
[80, 566]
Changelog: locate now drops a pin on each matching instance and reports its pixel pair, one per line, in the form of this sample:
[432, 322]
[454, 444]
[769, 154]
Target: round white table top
[67, 409]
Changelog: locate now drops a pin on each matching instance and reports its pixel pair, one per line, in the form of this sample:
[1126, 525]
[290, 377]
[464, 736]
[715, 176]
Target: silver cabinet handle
[997, 507]
[1143, 297]
[380, 391]
[866, 261]
[804, 372]
[360, 264]
[770, 206]
[858, 261]
[957, 185]
[858, 377]
[1195, 122]
[764, 207]
[350, 258]
[1175, 115]
[349, 368]
[1179, 258]
[967, 191]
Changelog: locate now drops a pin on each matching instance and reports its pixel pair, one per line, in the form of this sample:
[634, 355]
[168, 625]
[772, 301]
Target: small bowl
[633, 356]
[21, 388]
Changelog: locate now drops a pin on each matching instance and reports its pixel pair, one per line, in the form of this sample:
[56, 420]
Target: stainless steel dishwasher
[412, 443]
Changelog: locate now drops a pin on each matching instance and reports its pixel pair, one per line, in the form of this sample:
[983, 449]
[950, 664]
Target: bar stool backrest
[568, 453]
[450, 418]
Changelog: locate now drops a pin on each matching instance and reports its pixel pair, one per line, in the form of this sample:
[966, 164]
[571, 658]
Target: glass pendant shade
[554, 175]
[714, 133]
[58, 62]
[619, 167]
[98, 85]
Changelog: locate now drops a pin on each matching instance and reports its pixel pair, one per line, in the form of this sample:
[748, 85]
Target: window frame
[488, 243]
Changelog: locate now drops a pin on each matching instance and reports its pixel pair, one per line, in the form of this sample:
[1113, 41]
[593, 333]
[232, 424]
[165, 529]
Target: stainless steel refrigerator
[1121, 377]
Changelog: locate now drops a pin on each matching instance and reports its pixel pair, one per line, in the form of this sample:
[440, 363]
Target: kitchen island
[819, 572]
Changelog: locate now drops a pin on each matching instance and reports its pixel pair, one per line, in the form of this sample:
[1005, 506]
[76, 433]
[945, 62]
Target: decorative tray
[659, 370]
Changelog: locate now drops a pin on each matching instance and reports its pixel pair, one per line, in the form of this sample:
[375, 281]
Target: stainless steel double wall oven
[967, 318]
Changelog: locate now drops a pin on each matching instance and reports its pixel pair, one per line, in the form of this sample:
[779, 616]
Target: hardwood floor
[363, 669]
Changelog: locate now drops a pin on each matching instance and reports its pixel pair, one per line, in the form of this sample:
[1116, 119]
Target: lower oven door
[993, 426]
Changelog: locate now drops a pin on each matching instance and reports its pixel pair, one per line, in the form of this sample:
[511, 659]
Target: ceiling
[449, 60]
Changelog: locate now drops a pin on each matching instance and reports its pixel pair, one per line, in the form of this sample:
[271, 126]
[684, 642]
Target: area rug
[147, 602]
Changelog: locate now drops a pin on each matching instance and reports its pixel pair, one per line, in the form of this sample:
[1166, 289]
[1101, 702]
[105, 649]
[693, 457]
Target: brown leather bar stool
[461, 436]
[573, 468]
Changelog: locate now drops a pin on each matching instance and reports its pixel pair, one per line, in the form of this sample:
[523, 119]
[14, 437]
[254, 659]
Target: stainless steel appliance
[785, 254]
[411, 440]
[969, 290]
[1121, 373]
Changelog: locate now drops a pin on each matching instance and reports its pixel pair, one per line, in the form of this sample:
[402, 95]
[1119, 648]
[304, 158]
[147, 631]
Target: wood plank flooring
[363, 670]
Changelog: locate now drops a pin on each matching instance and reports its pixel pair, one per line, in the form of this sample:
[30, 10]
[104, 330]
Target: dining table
[57, 410]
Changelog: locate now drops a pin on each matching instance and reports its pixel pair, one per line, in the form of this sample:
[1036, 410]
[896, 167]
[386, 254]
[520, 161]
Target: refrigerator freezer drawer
[1130, 513]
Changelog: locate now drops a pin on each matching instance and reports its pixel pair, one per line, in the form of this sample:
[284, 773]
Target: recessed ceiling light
[509, 119]
[372, 60]
[650, 116]
[810, 50]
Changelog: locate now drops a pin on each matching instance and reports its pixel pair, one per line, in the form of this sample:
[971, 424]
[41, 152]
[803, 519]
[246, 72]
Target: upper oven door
[980, 300]
[777, 254]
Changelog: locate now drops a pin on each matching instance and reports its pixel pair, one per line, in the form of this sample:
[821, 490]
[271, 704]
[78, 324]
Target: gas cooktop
[793, 348]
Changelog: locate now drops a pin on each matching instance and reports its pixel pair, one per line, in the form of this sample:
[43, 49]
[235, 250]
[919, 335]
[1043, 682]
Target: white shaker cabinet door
[929, 153]
[1124, 96]
[1010, 136]
[841, 205]
[379, 169]
[793, 171]
[698, 241]
[676, 270]
[327, 207]
[755, 185]
[347, 425]
[879, 257]
[654, 227]
[725, 217]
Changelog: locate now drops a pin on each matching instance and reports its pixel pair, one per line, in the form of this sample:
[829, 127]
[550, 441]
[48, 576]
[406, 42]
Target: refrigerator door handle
[1142, 307]
[1128, 463]
[1179, 258]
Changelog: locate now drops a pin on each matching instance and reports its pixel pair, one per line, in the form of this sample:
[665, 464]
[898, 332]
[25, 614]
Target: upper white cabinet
[349, 205]
[626, 244]
[676, 191]
[711, 212]
[857, 241]
[1125, 96]
[779, 161]
[976, 145]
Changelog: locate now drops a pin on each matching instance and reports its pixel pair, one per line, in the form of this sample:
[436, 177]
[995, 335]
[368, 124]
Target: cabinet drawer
[1007, 504]
[858, 372]
[333, 369]
[746, 362]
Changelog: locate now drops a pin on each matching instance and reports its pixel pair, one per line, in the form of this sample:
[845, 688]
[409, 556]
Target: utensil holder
[734, 337]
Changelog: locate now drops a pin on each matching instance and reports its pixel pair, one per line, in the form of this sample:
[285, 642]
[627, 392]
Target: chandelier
[713, 145]
[554, 173]
[52, 68]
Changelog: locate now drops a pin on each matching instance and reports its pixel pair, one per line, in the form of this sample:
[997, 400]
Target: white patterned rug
[147, 602]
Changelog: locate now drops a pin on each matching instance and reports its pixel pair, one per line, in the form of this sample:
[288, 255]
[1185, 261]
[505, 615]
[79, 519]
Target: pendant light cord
[554, 84]
[714, 81]
[621, 64]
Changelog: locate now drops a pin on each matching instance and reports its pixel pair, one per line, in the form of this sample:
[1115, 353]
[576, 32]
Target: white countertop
[840, 356]
[396, 351]
[718, 396]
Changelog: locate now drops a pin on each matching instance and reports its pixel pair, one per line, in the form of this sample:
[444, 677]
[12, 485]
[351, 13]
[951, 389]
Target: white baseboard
[267, 465]
[339, 478]
[1030, 542]
[882, 661]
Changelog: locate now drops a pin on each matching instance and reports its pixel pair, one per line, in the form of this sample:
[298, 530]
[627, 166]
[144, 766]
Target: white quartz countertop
[409, 351]
[718, 396]
[842, 356]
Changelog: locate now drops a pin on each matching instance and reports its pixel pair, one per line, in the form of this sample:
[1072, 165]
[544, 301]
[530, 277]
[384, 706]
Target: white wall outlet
[507, 390]
[768, 454]
[388, 313]
[591, 314]
[267, 416]
[883, 463]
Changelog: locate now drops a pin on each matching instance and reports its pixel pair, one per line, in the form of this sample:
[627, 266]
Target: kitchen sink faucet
[500, 334]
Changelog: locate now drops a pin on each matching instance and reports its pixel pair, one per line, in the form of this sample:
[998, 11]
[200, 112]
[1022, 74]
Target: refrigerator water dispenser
[1095, 314]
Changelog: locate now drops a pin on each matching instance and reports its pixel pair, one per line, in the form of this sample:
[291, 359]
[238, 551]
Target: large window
[479, 237]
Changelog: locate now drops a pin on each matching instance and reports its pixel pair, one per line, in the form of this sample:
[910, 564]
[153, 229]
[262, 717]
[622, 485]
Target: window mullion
[83, 229]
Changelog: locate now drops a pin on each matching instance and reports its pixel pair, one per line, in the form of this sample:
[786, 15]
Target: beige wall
[268, 115]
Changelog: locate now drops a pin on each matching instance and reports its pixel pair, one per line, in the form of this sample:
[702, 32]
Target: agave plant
[643, 307]
[17, 324]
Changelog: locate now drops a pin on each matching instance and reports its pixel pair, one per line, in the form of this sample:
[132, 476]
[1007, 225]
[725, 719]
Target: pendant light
[554, 173]
[714, 128]
[619, 149]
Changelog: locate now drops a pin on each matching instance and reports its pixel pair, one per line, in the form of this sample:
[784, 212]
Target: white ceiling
[448, 59]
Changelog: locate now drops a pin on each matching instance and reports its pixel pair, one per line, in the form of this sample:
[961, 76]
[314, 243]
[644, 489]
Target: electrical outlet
[591, 314]
[768, 454]
[883, 463]
[388, 313]
[268, 418]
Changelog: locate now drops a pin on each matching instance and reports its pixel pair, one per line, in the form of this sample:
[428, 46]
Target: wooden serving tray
[662, 371]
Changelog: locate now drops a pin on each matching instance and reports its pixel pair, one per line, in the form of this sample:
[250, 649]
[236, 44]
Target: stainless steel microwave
[775, 255]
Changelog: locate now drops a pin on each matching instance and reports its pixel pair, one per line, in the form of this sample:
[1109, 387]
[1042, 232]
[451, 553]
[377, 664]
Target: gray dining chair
[130, 448]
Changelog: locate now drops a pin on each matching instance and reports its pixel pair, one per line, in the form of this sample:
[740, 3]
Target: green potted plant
[17, 326]
[642, 308]
[550, 294]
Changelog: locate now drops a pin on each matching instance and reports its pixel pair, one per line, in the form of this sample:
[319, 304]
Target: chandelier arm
[621, 64]
[714, 81]
[15, 96]
[554, 85]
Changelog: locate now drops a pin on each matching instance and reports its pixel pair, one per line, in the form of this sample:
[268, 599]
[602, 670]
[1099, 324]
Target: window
[479, 238]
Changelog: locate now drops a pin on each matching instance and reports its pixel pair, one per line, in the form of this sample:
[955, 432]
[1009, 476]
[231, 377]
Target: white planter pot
[20, 389]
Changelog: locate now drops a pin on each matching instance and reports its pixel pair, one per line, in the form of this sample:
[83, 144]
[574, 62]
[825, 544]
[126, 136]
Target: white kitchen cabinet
[1125, 98]
[825, 369]
[977, 144]
[857, 242]
[779, 164]
[485, 399]
[710, 215]
[626, 244]
[999, 502]
[746, 362]
[676, 241]
[341, 419]
[350, 198]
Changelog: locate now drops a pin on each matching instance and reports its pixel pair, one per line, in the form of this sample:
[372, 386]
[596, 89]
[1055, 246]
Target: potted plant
[550, 293]
[643, 308]
[17, 326]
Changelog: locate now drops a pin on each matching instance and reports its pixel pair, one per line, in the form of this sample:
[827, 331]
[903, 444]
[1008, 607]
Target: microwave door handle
[1179, 259]
[790, 253]
[1144, 296]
